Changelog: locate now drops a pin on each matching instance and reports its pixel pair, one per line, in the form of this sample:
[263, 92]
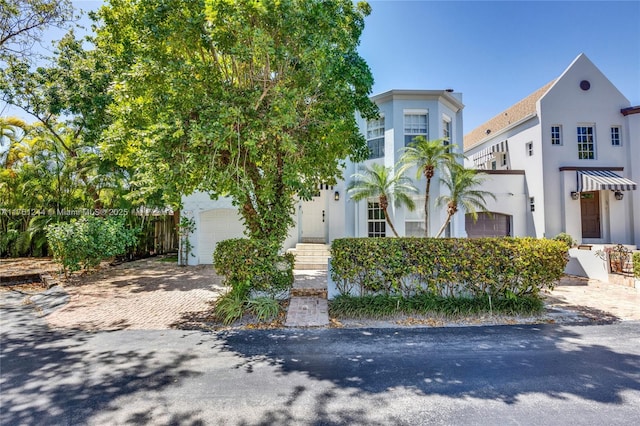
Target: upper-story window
[615, 136]
[556, 135]
[529, 147]
[586, 143]
[446, 132]
[375, 137]
[415, 124]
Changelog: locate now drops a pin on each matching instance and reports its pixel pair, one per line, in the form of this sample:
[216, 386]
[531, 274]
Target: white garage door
[215, 226]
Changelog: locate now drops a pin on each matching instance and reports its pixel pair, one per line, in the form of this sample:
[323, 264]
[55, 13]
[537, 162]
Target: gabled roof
[517, 112]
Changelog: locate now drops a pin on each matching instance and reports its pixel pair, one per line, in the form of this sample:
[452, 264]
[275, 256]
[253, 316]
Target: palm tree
[428, 156]
[461, 183]
[381, 182]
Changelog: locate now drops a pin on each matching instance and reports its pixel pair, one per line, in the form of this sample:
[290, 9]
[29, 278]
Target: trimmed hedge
[636, 264]
[447, 267]
[251, 265]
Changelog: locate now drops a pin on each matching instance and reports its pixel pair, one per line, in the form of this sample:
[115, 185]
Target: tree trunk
[386, 217]
[426, 207]
[444, 225]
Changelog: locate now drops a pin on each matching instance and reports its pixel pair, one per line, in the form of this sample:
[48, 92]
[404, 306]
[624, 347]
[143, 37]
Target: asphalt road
[551, 374]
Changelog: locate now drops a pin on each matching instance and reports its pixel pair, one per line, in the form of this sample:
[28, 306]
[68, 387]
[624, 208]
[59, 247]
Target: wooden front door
[590, 214]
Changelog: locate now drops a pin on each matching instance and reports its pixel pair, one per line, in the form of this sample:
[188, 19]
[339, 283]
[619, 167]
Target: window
[415, 125]
[494, 165]
[556, 135]
[586, 143]
[375, 137]
[414, 220]
[615, 136]
[532, 204]
[446, 132]
[504, 159]
[530, 148]
[375, 221]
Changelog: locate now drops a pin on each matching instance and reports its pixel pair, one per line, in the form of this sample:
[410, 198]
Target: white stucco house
[404, 114]
[564, 159]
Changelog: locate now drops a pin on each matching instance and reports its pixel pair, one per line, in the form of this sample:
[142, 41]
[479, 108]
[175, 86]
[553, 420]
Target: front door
[314, 219]
[590, 214]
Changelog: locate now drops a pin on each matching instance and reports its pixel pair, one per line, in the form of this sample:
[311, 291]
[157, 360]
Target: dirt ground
[156, 294]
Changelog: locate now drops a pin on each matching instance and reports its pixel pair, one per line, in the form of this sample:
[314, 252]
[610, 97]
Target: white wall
[567, 105]
[632, 142]
[512, 199]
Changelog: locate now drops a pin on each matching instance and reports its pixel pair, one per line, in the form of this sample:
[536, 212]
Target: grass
[384, 306]
[169, 259]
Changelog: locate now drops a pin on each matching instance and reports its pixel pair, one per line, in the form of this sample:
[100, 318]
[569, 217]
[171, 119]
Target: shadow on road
[50, 377]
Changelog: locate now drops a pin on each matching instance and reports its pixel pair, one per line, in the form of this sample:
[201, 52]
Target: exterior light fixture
[619, 195]
[336, 196]
[575, 195]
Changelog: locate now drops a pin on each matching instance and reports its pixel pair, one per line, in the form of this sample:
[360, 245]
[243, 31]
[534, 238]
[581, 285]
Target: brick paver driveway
[146, 294]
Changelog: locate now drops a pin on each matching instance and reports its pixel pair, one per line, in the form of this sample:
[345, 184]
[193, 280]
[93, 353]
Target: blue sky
[494, 52]
[498, 52]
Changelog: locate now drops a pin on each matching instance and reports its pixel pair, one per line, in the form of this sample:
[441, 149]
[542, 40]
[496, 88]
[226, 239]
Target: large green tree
[22, 23]
[385, 185]
[255, 100]
[427, 156]
[463, 191]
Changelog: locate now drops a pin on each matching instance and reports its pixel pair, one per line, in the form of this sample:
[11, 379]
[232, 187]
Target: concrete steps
[310, 256]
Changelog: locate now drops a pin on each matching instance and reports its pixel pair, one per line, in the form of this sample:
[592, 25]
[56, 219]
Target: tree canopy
[255, 100]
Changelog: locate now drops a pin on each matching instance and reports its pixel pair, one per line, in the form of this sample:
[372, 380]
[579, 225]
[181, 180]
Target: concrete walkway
[308, 303]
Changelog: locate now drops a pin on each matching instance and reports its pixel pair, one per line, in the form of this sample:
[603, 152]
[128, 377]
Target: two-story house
[404, 114]
[564, 159]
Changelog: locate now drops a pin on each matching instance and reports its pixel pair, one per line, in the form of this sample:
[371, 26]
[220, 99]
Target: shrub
[85, 242]
[230, 307]
[452, 267]
[264, 308]
[253, 265]
[565, 238]
[384, 306]
[636, 264]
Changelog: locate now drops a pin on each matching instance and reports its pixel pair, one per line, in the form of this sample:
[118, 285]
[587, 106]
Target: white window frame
[376, 226]
[556, 135]
[375, 134]
[616, 136]
[586, 139]
[412, 130]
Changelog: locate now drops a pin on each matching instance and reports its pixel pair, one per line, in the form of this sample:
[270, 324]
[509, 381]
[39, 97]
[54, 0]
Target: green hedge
[636, 264]
[251, 265]
[451, 267]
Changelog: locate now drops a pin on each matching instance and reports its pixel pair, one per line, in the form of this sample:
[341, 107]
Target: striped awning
[484, 155]
[598, 180]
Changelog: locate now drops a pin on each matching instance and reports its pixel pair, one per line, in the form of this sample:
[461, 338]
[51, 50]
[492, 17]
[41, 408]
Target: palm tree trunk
[444, 225]
[386, 217]
[426, 208]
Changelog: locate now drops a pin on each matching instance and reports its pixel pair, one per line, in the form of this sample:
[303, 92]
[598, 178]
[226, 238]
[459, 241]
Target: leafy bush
[264, 308]
[85, 242]
[383, 306]
[253, 265]
[565, 238]
[502, 268]
[230, 307]
[636, 264]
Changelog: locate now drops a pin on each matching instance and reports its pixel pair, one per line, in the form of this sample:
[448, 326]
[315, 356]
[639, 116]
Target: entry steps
[310, 256]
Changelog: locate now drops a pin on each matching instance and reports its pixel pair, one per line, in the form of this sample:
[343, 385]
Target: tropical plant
[251, 100]
[427, 156]
[378, 181]
[462, 184]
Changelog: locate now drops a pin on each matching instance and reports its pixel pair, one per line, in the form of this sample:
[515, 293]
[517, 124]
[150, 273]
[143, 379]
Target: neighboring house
[564, 159]
[405, 114]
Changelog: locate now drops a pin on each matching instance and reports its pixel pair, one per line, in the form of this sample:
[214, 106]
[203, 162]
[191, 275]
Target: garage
[488, 225]
[215, 226]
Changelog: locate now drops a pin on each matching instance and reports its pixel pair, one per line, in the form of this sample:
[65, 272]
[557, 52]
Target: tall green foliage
[385, 185]
[428, 156]
[462, 185]
[255, 100]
